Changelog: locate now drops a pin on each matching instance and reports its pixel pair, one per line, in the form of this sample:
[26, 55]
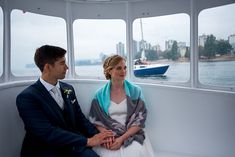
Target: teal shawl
[103, 94]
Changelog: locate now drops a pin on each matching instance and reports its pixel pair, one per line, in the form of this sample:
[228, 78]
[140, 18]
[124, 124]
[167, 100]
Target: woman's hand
[99, 138]
[109, 142]
[117, 143]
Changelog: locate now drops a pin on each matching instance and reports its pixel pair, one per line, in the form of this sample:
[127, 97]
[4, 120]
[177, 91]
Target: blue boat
[150, 69]
[142, 68]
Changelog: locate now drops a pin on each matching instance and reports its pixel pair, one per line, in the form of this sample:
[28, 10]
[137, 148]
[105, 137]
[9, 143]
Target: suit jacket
[47, 126]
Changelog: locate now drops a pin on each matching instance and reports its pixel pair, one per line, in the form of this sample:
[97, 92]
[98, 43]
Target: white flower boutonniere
[67, 92]
[73, 101]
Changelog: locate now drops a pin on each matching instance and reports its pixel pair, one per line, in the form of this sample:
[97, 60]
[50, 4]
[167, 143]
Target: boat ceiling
[101, 1]
[111, 9]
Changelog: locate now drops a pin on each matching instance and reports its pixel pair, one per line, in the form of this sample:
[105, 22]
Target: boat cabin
[191, 107]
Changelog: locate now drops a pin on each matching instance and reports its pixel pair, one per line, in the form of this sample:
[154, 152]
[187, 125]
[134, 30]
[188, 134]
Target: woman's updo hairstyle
[110, 63]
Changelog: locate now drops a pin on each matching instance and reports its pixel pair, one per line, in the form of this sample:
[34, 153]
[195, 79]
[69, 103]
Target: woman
[119, 106]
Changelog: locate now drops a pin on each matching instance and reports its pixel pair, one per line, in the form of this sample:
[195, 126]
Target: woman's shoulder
[132, 86]
[104, 88]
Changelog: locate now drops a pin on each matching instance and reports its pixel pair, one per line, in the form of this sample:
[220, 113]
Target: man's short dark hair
[48, 54]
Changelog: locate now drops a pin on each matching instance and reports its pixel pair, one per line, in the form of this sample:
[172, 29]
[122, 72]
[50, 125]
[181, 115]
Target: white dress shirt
[57, 96]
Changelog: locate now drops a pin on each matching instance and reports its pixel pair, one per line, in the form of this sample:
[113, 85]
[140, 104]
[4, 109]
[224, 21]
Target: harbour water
[210, 73]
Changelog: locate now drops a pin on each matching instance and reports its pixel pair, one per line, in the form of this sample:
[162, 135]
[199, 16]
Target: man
[54, 123]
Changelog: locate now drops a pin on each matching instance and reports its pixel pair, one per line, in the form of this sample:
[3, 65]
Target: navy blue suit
[51, 131]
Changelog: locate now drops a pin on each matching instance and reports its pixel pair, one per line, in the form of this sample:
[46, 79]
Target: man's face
[59, 69]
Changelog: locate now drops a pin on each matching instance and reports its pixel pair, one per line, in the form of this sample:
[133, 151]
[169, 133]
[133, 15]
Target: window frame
[101, 78]
[14, 77]
[159, 82]
[201, 85]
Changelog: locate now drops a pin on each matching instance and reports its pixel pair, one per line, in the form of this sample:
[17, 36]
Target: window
[28, 32]
[94, 40]
[1, 41]
[217, 46]
[161, 48]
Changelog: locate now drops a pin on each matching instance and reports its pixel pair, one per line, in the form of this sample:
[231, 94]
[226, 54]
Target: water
[217, 73]
[210, 73]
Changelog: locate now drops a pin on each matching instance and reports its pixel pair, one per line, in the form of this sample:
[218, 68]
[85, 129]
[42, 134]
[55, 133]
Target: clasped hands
[106, 139]
[113, 143]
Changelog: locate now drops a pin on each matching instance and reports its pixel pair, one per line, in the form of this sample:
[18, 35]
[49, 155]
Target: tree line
[212, 47]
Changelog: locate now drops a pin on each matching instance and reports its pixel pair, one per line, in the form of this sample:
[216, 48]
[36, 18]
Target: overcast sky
[30, 31]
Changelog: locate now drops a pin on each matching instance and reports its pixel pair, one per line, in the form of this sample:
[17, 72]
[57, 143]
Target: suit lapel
[50, 102]
[68, 104]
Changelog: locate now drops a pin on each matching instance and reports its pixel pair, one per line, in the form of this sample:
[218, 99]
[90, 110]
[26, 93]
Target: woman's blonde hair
[110, 63]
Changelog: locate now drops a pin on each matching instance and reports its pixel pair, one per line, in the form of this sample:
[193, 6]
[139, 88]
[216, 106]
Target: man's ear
[46, 67]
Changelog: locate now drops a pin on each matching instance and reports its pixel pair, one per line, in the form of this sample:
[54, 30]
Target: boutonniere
[73, 101]
[67, 92]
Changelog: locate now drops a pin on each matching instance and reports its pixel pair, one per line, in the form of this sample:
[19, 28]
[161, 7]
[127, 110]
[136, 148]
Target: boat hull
[150, 71]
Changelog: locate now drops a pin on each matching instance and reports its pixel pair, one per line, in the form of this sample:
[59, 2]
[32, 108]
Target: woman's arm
[131, 131]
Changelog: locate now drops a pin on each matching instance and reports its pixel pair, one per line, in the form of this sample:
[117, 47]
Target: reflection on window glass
[161, 48]
[1, 41]
[28, 32]
[94, 40]
[217, 46]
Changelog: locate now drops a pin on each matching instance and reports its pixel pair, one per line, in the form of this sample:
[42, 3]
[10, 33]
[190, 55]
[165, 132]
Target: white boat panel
[182, 122]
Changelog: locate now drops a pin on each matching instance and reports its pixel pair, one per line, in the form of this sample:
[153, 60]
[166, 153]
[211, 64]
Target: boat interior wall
[158, 8]
[182, 122]
[202, 4]
[126, 10]
[98, 11]
[110, 10]
[116, 9]
[45, 7]
[134, 10]
[11, 126]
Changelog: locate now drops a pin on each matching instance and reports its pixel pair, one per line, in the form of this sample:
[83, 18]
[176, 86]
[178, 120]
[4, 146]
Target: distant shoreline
[166, 61]
[220, 58]
[216, 59]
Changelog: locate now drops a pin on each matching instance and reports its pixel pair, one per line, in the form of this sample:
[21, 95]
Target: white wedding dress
[119, 113]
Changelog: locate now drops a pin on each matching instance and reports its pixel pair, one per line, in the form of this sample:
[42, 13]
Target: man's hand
[99, 138]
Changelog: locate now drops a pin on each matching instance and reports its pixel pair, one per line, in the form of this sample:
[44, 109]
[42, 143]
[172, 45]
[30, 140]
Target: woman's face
[119, 71]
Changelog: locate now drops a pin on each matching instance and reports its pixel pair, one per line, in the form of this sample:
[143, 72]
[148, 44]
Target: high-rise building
[156, 47]
[101, 56]
[182, 48]
[168, 44]
[120, 49]
[135, 47]
[231, 40]
[202, 40]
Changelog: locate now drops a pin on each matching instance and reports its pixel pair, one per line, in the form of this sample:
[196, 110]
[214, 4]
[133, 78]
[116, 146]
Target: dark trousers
[87, 152]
